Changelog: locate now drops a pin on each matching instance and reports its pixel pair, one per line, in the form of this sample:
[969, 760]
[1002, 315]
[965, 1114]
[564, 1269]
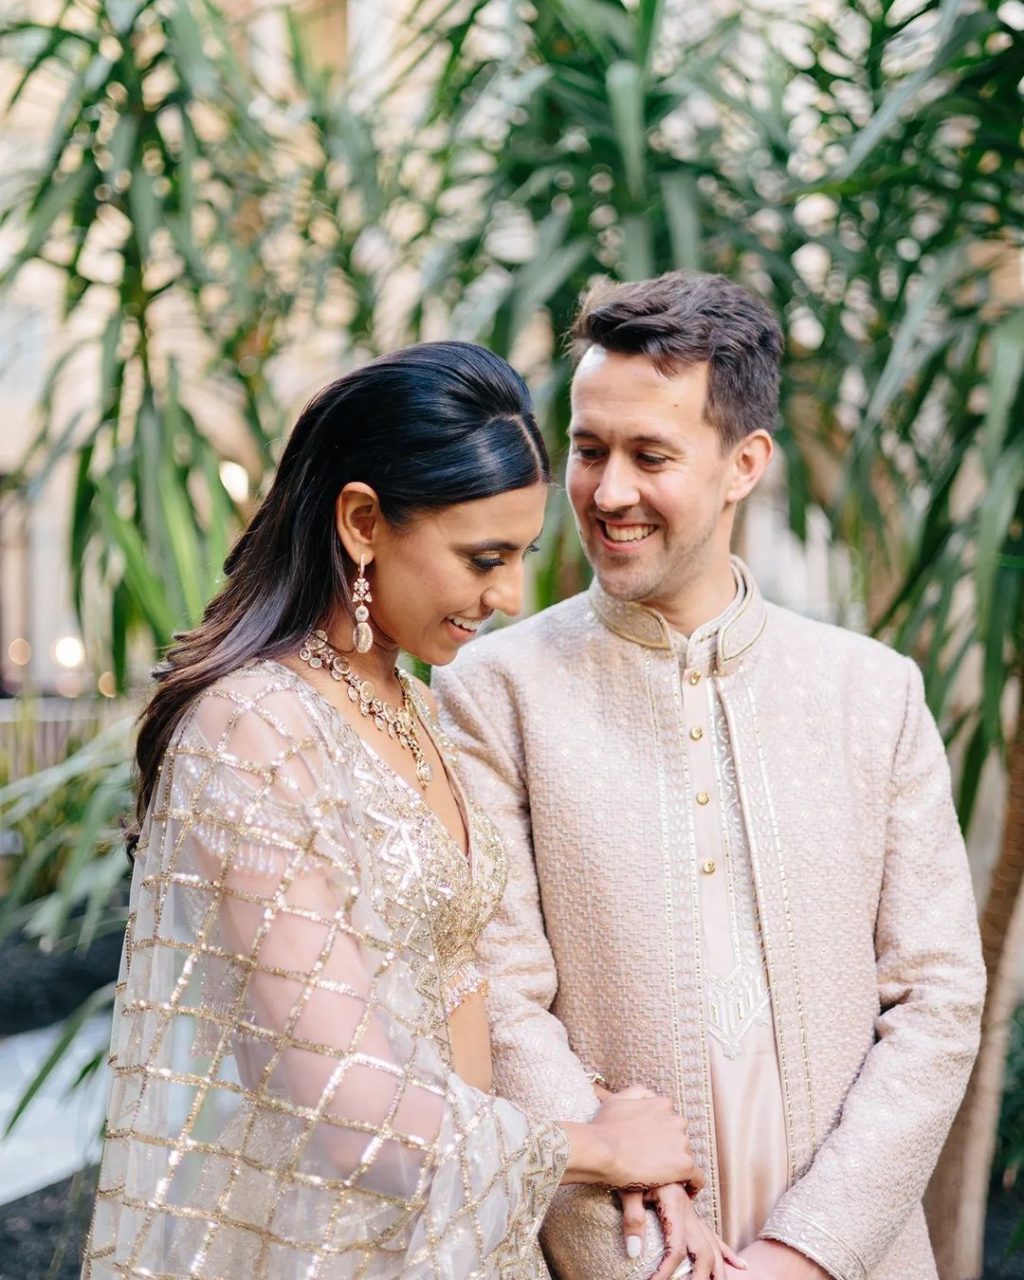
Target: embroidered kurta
[283, 1103]
[748, 1129]
[578, 728]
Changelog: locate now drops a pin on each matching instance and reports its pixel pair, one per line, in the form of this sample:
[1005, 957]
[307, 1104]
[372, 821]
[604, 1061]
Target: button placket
[713, 886]
[696, 715]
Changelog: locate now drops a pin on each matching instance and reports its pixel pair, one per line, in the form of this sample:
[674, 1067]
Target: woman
[301, 1064]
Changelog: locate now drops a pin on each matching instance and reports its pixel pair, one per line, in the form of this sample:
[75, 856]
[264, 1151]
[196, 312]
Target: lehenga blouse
[282, 1102]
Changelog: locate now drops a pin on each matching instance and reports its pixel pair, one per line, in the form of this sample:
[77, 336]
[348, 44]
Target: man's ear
[357, 518]
[750, 458]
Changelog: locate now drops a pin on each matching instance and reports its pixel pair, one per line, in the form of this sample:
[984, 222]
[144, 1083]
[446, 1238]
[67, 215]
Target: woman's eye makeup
[484, 564]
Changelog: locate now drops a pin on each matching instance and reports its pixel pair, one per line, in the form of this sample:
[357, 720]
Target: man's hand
[772, 1260]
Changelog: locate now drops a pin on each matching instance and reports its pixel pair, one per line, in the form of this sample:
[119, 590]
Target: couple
[674, 906]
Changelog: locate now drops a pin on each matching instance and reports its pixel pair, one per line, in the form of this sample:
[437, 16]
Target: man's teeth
[467, 624]
[628, 532]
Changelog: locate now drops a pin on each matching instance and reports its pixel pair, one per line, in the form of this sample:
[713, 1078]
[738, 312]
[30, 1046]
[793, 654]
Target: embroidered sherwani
[283, 1103]
[812, 1003]
[748, 1130]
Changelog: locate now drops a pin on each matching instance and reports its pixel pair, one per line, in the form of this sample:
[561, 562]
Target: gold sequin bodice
[457, 893]
[417, 867]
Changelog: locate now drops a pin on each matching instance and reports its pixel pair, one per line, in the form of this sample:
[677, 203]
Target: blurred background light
[68, 684]
[235, 479]
[69, 652]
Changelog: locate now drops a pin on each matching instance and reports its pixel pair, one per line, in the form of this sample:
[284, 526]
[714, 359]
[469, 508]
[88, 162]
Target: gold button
[694, 677]
[696, 733]
[708, 867]
[702, 797]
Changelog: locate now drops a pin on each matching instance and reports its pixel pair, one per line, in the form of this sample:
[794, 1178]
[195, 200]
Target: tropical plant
[869, 185]
[193, 219]
[66, 888]
[67, 854]
[1009, 1156]
[863, 173]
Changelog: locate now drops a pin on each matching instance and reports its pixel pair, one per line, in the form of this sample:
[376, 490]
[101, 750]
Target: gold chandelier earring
[362, 633]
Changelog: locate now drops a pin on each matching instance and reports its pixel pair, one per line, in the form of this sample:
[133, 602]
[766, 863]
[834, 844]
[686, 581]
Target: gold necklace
[317, 652]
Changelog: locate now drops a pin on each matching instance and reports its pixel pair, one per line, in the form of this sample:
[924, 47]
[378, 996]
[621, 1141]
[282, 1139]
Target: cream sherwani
[736, 877]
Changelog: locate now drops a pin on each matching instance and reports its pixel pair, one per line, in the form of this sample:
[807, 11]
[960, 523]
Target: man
[736, 875]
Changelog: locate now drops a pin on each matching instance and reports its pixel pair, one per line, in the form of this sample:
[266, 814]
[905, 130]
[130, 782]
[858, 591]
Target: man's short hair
[685, 318]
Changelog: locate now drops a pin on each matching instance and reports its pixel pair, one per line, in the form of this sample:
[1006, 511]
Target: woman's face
[435, 581]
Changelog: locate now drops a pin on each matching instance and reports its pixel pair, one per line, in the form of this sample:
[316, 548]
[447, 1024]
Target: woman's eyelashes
[484, 564]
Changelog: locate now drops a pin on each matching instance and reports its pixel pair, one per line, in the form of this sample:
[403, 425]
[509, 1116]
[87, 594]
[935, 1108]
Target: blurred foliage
[69, 856]
[67, 870]
[211, 224]
[182, 207]
[1009, 1157]
[868, 184]
[863, 173]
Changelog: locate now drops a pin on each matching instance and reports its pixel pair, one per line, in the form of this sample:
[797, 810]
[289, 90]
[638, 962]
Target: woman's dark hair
[427, 427]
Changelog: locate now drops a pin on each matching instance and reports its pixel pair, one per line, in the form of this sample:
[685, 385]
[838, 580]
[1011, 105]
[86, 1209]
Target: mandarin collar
[717, 645]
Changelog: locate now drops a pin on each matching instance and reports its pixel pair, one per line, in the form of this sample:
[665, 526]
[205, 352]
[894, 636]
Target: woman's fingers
[672, 1206]
[731, 1256]
[634, 1222]
[718, 1270]
[703, 1256]
[706, 1247]
[687, 1235]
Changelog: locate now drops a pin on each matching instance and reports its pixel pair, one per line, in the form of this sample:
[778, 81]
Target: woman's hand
[684, 1231]
[635, 1140]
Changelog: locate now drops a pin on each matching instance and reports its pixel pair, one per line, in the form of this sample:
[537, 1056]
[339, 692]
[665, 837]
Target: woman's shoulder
[262, 732]
[262, 711]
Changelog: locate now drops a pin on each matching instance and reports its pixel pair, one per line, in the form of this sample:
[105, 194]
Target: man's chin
[622, 584]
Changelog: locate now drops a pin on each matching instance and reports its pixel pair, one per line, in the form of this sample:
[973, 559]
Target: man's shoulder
[828, 646]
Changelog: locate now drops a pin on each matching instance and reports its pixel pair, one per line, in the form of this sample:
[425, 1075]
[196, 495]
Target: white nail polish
[634, 1245]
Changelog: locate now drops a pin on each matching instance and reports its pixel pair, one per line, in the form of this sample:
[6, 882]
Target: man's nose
[617, 488]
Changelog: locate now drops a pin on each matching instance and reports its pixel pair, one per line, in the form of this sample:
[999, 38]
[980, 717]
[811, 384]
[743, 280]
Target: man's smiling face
[647, 477]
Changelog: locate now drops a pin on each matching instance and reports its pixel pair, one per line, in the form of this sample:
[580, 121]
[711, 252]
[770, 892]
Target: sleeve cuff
[789, 1226]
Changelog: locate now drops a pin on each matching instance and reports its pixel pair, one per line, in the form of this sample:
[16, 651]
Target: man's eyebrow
[661, 442]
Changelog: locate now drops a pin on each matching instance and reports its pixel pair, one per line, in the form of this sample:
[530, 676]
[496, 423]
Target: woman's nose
[505, 594]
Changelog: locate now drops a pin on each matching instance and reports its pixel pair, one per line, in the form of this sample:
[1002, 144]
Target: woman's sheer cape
[280, 1103]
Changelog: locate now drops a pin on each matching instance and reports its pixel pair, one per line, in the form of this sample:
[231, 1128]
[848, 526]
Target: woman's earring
[362, 635]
